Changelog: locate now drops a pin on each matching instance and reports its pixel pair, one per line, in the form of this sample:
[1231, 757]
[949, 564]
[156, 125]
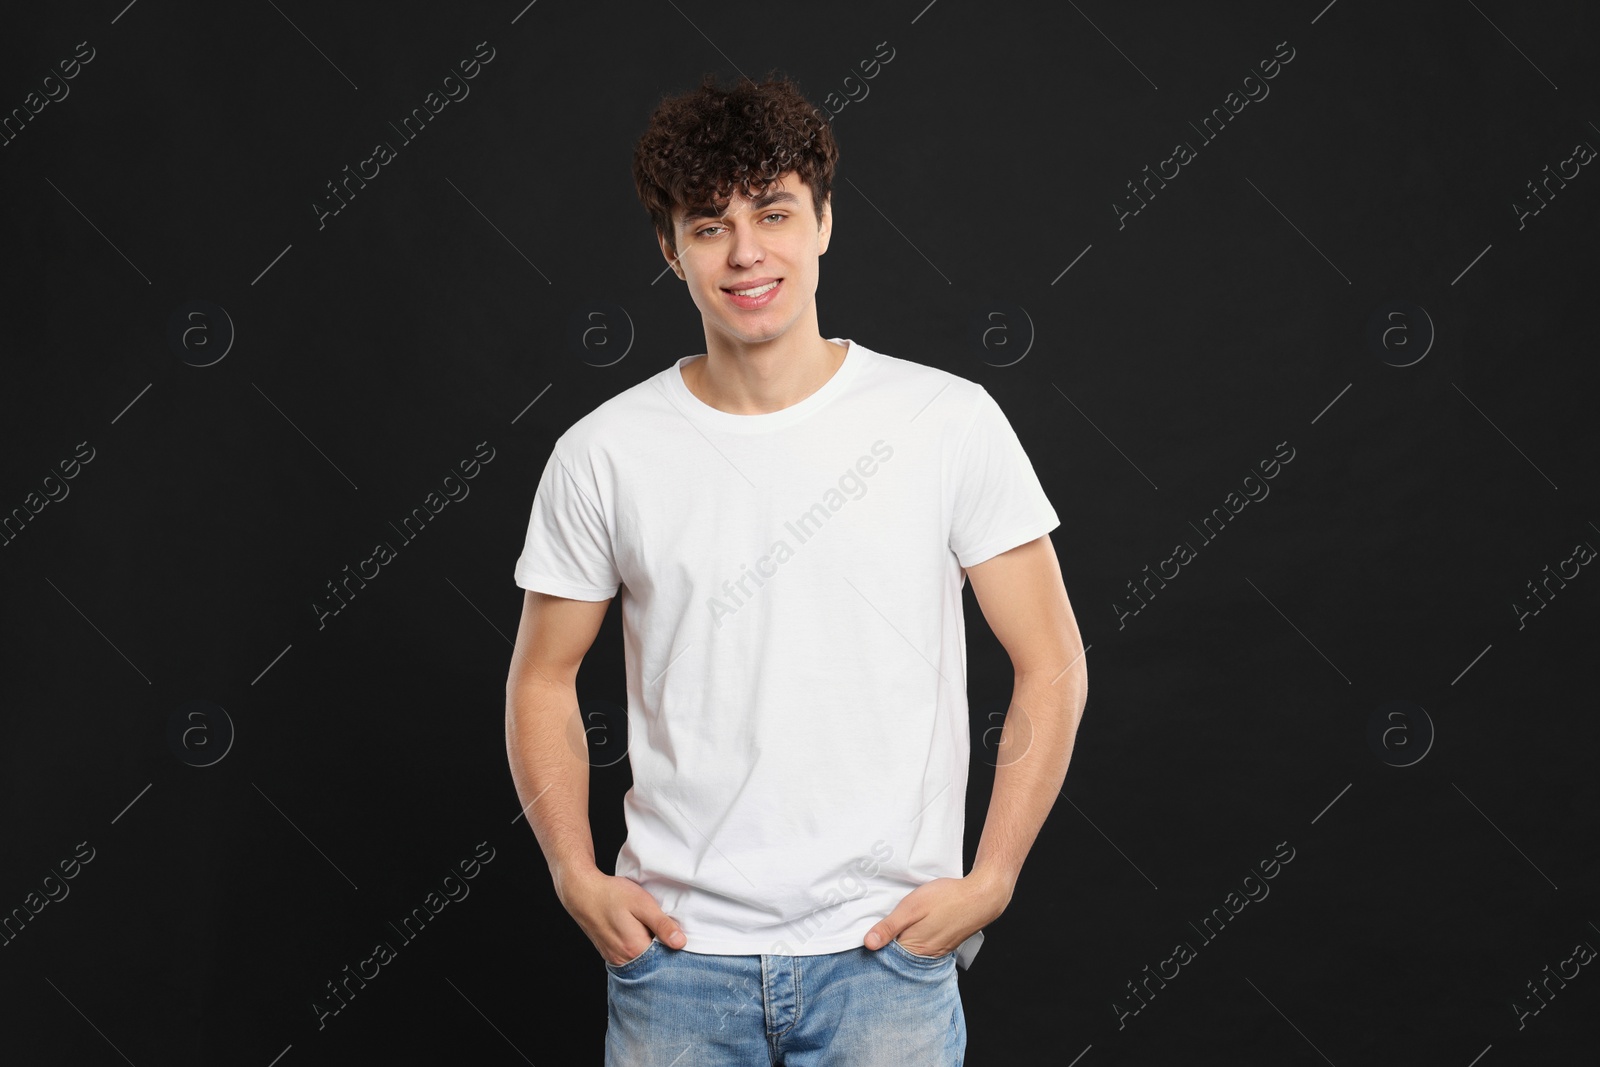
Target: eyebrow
[766, 199]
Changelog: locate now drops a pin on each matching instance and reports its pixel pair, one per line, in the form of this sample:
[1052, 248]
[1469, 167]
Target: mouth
[755, 296]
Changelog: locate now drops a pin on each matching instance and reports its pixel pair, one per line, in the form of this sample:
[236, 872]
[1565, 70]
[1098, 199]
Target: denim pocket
[615, 967]
[908, 954]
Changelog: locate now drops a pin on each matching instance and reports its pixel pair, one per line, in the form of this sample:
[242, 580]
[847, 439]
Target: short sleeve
[568, 548]
[998, 501]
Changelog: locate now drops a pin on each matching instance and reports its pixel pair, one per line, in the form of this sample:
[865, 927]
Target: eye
[772, 215]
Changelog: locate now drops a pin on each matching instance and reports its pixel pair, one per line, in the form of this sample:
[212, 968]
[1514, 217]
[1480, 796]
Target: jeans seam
[794, 972]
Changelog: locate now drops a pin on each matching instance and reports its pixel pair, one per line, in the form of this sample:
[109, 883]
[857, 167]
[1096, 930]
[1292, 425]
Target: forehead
[786, 190]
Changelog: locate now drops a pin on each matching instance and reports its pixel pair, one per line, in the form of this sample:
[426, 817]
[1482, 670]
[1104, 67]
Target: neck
[768, 376]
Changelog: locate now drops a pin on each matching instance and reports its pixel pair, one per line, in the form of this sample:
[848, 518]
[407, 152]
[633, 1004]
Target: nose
[746, 248]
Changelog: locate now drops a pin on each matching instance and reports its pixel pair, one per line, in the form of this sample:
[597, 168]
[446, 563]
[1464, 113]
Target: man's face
[754, 242]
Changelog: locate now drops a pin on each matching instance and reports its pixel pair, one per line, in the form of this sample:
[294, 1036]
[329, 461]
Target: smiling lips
[756, 294]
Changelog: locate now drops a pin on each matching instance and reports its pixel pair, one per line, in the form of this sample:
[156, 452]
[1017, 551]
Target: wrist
[564, 874]
[1000, 882]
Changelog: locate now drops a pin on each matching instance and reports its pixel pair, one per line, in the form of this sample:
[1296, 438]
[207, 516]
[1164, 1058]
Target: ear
[826, 229]
[667, 253]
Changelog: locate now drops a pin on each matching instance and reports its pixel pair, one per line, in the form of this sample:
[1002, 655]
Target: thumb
[667, 929]
[887, 929]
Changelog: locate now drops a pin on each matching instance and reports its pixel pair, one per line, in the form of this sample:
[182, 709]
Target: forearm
[1035, 749]
[544, 735]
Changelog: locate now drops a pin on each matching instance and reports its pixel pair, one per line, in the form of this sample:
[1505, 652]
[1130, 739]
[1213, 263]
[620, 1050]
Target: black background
[372, 353]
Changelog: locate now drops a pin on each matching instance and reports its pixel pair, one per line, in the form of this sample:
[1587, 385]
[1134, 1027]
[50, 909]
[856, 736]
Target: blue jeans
[670, 1007]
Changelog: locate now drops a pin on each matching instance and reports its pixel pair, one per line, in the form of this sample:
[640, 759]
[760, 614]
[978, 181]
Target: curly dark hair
[701, 144]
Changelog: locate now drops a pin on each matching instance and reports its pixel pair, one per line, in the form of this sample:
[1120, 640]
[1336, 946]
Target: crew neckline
[770, 420]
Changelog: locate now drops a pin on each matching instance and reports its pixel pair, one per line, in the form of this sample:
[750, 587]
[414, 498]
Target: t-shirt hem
[818, 946]
[1020, 536]
[556, 587]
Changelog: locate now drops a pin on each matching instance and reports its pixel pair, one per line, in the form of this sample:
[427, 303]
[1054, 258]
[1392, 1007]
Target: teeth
[752, 292]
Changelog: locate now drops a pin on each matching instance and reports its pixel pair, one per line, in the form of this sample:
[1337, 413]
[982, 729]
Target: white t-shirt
[793, 630]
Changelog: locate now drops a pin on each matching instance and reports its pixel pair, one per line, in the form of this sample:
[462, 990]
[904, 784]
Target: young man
[790, 519]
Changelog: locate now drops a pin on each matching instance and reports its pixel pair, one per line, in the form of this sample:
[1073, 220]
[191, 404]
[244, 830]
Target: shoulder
[956, 394]
[950, 397]
[615, 422]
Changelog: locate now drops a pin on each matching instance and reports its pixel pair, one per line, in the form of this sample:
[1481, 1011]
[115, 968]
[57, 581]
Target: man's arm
[1025, 603]
[544, 731]
[546, 747]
